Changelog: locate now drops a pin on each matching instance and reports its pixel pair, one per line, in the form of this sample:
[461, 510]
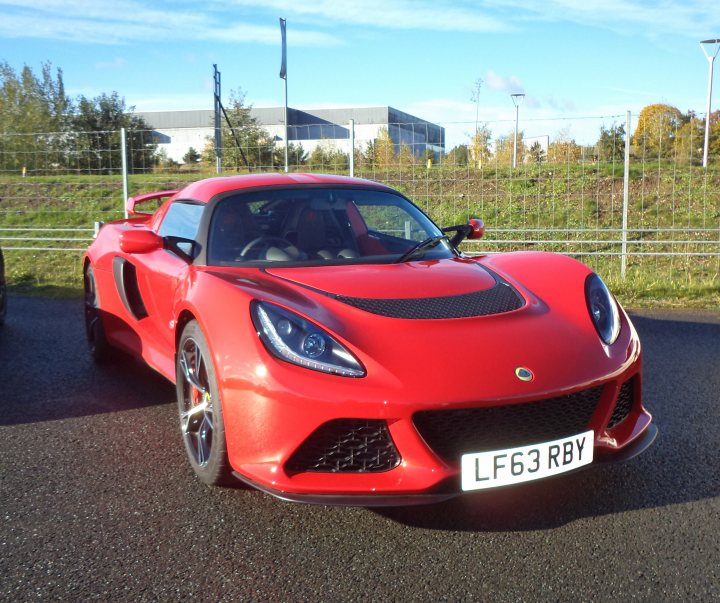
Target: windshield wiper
[419, 249]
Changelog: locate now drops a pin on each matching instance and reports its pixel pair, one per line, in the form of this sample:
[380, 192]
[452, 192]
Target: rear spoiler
[132, 202]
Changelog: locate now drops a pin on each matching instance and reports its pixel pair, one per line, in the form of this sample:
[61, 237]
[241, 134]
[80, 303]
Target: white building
[177, 131]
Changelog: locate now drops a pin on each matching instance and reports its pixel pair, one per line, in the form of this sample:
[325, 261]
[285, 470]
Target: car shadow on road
[681, 383]
[47, 373]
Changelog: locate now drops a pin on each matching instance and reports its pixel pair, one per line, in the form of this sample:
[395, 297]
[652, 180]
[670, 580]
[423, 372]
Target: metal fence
[654, 209]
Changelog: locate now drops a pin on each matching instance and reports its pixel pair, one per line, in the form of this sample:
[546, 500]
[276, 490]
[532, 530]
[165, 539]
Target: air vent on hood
[496, 300]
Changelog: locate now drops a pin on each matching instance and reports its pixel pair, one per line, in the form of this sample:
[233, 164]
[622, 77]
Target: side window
[182, 220]
[393, 221]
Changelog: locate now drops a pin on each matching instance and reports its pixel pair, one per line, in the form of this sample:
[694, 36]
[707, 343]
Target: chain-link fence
[658, 213]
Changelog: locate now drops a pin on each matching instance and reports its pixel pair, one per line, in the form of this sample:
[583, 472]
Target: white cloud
[509, 84]
[315, 22]
[649, 18]
[116, 64]
[130, 21]
[396, 14]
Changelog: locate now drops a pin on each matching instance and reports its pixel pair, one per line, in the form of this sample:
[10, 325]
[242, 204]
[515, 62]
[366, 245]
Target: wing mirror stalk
[474, 229]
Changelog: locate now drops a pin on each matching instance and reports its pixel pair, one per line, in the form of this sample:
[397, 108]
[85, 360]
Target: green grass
[533, 202]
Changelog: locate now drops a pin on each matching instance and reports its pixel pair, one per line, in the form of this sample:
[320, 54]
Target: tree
[690, 140]
[33, 115]
[296, 155]
[611, 144]
[536, 152]
[367, 159]
[564, 149]
[480, 145]
[504, 148]
[475, 98]
[31, 104]
[255, 143]
[406, 157]
[208, 153]
[384, 149]
[191, 156]
[657, 130]
[163, 162]
[714, 142]
[95, 137]
[458, 156]
[325, 157]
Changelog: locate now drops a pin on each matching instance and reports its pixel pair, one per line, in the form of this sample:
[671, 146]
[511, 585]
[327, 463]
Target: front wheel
[201, 419]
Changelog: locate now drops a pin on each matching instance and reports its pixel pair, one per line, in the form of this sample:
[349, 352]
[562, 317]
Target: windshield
[319, 226]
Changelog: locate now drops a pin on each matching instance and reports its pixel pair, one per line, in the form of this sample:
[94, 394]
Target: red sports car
[329, 343]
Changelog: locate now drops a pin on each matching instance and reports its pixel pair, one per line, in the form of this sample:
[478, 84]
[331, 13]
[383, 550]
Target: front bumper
[425, 473]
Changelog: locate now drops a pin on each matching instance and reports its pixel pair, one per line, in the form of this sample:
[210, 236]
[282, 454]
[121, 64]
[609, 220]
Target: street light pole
[711, 59]
[516, 99]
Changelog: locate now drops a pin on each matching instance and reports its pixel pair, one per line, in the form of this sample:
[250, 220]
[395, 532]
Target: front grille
[624, 404]
[346, 446]
[496, 300]
[452, 433]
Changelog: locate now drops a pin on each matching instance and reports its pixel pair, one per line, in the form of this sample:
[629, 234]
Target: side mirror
[474, 229]
[478, 228]
[140, 240]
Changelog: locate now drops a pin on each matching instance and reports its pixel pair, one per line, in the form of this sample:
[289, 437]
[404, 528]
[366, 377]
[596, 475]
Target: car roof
[205, 190]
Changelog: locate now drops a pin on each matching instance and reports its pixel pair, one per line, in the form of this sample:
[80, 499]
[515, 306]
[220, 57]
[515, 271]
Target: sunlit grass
[538, 203]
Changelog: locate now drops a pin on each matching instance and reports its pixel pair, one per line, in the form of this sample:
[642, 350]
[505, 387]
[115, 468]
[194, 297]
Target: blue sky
[572, 58]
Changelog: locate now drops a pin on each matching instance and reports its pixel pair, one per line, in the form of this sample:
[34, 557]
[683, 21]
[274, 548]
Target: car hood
[410, 326]
[393, 281]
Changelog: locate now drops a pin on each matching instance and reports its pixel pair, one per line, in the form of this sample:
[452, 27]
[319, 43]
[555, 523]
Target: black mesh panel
[346, 446]
[452, 433]
[500, 298]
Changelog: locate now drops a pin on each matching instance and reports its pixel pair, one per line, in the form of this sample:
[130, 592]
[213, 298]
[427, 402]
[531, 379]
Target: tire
[100, 350]
[200, 408]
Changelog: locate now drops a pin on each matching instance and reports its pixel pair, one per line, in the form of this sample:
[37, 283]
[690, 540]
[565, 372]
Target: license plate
[525, 463]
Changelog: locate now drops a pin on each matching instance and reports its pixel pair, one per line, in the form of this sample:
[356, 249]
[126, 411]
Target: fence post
[123, 151]
[352, 147]
[626, 197]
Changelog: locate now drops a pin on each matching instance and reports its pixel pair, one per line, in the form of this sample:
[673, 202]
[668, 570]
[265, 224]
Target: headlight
[603, 309]
[292, 338]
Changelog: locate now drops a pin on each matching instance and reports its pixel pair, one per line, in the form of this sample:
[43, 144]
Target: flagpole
[283, 75]
[286, 125]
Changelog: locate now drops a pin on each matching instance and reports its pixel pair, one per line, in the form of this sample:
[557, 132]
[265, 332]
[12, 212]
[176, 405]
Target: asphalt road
[97, 501]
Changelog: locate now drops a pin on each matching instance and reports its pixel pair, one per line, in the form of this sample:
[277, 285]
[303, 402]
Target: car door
[162, 276]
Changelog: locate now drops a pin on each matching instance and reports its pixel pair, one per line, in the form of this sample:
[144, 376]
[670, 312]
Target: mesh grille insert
[624, 404]
[452, 433]
[496, 300]
[346, 446]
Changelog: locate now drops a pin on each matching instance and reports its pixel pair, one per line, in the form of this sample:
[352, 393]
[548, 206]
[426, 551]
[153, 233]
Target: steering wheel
[265, 242]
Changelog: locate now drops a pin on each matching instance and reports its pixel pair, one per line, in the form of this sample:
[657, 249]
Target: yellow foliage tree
[406, 157]
[384, 149]
[564, 149]
[714, 142]
[690, 140]
[504, 149]
[657, 130]
[480, 146]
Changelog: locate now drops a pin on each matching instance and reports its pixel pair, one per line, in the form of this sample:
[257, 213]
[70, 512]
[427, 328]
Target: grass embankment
[570, 209]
